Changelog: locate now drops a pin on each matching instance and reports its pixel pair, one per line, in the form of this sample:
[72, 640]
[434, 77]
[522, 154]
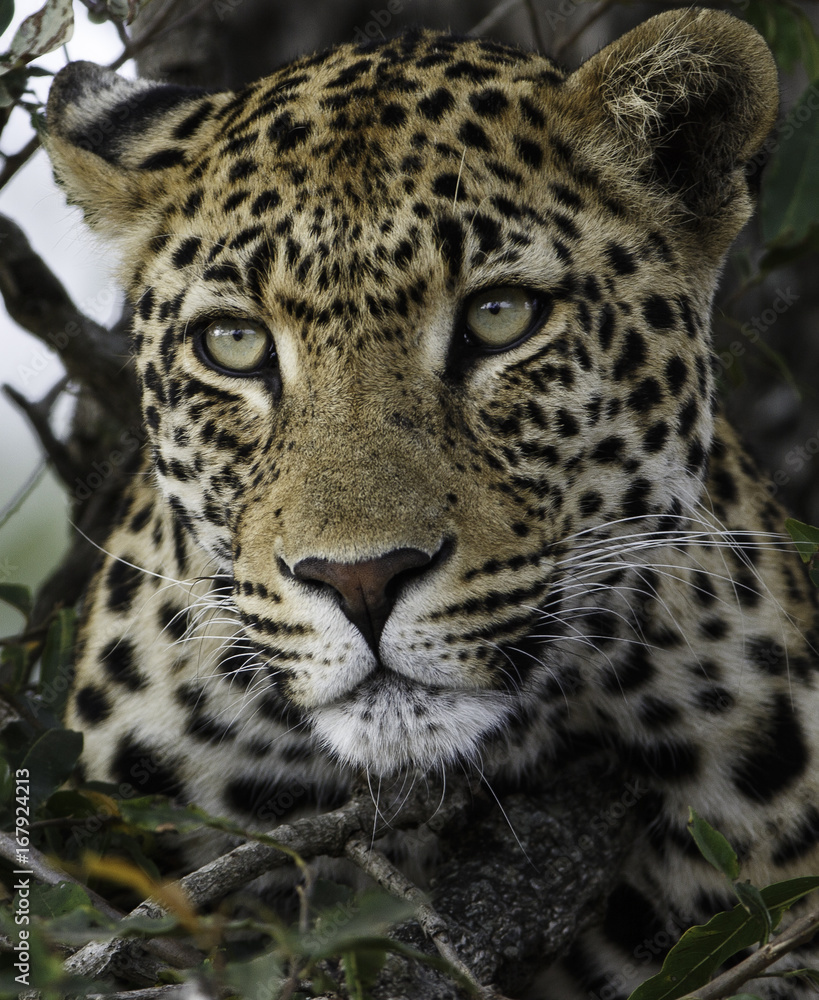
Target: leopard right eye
[237, 347]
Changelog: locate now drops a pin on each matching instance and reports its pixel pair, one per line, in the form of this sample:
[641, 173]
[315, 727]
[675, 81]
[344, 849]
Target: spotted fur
[391, 547]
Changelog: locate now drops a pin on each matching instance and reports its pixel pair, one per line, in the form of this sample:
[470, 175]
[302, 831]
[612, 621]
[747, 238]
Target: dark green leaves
[806, 538]
[50, 762]
[701, 950]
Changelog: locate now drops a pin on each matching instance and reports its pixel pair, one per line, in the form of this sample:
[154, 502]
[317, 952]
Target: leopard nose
[368, 589]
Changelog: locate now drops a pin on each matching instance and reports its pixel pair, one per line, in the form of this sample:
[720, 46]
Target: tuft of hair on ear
[682, 103]
[114, 142]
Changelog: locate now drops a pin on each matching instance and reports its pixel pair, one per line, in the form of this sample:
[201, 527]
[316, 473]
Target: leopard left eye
[499, 317]
[236, 346]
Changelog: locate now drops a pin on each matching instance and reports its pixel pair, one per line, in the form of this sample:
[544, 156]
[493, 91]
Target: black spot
[145, 306]
[186, 252]
[724, 485]
[92, 704]
[393, 116]
[450, 237]
[610, 449]
[122, 581]
[688, 416]
[645, 395]
[704, 592]
[605, 327]
[630, 919]
[636, 497]
[488, 232]
[655, 437]
[635, 670]
[436, 104]
[473, 136]
[779, 755]
[658, 313]
[446, 185]
[590, 502]
[141, 518]
[488, 103]
[266, 799]
[669, 760]
[767, 655]
[172, 621]
[713, 628]
[655, 713]
[208, 729]
[529, 153]
[163, 159]
[118, 661]
[632, 356]
[620, 259]
[799, 841]
[140, 765]
[190, 123]
[676, 374]
[567, 425]
[265, 202]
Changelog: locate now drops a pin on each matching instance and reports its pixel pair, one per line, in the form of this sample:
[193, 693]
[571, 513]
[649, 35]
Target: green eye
[500, 316]
[236, 345]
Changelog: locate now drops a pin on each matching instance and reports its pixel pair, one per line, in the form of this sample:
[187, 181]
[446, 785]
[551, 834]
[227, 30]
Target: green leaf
[41, 32]
[751, 899]
[788, 31]
[702, 949]
[6, 14]
[55, 900]
[258, 979]
[789, 203]
[340, 929]
[57, 659]
[805, 537]
[6, 781]
[713, 846]
[15, 662]
[50, 762]
[17, 596]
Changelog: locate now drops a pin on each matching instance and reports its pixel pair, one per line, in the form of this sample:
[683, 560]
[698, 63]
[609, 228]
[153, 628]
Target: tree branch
[36, 300]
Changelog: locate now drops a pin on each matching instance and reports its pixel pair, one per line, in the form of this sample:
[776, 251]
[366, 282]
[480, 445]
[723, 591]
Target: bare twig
[18, 159]
[325, 835]
[36, 300]
[379, 868]
[170, 952]
[38, 415]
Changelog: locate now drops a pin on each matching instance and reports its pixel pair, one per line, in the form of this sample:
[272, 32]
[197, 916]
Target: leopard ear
[680, 104]
[115, 143]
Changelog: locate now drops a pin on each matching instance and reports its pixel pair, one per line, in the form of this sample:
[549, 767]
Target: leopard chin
[389, 725]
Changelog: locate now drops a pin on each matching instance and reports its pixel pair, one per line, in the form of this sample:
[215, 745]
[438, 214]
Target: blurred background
[765, 322]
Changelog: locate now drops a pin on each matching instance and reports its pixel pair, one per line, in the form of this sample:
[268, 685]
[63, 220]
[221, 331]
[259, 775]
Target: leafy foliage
[114, 843]
[701, 950]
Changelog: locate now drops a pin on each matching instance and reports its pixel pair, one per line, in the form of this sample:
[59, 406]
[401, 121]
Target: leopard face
[418, 327]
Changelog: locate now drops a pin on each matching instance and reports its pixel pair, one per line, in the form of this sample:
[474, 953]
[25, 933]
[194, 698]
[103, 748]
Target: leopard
[435, 472]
